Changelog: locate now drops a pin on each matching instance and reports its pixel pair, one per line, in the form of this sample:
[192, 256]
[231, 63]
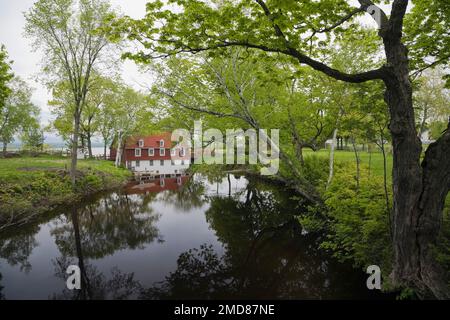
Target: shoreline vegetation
[352, 218]
[32, 186]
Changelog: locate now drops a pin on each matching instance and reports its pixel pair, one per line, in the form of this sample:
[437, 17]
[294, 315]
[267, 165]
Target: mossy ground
[30, 186]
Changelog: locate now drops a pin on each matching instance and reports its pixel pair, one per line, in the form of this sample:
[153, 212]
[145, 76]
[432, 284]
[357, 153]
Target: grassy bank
[373, 160]
[31, 186]
[356, 220]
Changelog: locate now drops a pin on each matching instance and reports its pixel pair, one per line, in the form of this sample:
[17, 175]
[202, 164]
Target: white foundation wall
[157, 168]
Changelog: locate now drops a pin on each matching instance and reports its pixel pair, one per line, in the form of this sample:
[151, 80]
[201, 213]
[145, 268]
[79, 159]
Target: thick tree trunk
[5, 145]
[104, 150]
[419, 193]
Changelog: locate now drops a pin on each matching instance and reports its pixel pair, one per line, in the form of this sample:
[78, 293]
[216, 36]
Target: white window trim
[173, 152]
[136, 153]
[182, 152]
[162, 152]
[161, 143]
[141, 143]
[151, 152]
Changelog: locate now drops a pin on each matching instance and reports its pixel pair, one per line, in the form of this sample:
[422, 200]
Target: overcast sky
[27, 63]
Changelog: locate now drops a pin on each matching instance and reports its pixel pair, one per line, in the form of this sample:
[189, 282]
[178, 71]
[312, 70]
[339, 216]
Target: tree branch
[431, 65]
[197, 109]
[340, 22]
[319, 66]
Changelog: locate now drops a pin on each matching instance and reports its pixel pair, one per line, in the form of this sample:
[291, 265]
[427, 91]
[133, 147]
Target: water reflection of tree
[96, 286]
[17, 246]
[266, 255]
[2, 297]
[114, 222]
[187, 197]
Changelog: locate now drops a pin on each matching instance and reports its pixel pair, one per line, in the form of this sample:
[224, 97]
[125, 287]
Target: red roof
[149, 141]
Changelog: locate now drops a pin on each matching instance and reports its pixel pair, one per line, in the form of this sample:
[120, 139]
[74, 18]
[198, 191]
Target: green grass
[376, 159]
[30, 186]
[14, 169]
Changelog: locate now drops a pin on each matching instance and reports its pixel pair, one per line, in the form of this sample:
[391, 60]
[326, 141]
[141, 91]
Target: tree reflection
[200, 274]
[96, 286]
[115, 222]
[17, 246]
[266, 254]
[2, 297]
[187, 197]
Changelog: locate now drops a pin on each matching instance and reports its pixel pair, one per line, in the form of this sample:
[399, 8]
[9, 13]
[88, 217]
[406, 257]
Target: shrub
[359, 219]
[315, 170]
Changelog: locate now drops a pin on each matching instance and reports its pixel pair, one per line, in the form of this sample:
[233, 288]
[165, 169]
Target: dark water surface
[187, 238]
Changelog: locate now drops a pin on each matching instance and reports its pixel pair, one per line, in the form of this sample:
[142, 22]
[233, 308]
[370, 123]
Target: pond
[230, 237]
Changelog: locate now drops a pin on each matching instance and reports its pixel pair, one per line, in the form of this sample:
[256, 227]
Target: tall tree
[298, 29]
[33, 138]
[132, 115]
[67, 32]
[5, 75]
[18, 114]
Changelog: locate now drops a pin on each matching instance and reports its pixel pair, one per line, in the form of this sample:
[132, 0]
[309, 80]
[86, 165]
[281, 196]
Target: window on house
[173, 152]
[138, 163]
[161, 144]
[173, 162]
[182, 153]
[162, 152]
[162, 182]
[141, 143]
[137, 152]
[161, 162]
[151, 162]
[151, 152]
[182, 162]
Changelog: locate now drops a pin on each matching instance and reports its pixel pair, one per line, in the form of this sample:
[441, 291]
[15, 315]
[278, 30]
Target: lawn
[14, 169]
[375, 159]
[30, 186]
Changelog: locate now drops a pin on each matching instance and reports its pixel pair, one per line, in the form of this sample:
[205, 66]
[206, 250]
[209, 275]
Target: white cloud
[27, 63]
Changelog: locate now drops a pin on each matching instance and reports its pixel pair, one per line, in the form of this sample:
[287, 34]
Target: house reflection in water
[157, 185]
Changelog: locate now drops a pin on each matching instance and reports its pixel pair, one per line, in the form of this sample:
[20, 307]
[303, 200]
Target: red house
[155, 154]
